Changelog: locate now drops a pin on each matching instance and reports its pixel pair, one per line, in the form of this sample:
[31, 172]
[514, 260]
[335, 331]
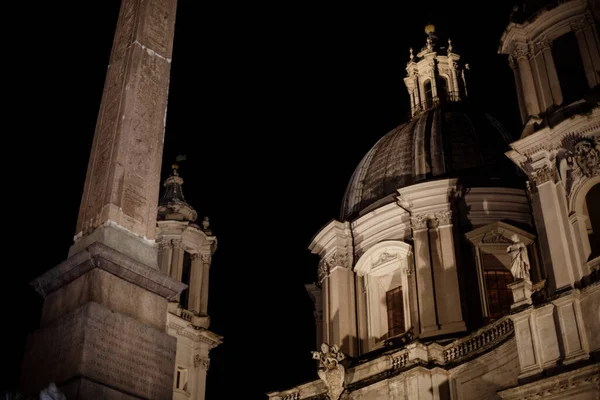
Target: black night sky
[273, 104]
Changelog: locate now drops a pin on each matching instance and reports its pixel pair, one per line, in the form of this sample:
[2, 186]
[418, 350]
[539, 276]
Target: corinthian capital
[206, 258]
[419, 221]
[443, 217]
[544, 174]
[521, 50]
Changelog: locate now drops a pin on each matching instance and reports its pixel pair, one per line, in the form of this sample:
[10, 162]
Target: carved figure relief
[331, 371]
[577, 159]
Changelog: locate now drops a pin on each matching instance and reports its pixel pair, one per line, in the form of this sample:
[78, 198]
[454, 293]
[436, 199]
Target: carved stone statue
[330, 370]
[519, 259]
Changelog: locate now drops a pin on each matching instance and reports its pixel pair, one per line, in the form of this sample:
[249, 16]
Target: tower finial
[449, 45]
[411, 54]
[430, 30]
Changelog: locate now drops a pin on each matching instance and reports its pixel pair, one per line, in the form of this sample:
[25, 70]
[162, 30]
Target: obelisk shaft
[123, 176]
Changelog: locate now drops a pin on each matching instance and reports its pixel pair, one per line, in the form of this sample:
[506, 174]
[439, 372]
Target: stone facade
[465, 291]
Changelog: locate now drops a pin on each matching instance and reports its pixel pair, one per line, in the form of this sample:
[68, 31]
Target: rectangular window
[499, 296]
[395, 311]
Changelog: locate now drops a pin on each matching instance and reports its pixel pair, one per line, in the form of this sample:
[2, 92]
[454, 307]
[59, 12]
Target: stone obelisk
[102, 331]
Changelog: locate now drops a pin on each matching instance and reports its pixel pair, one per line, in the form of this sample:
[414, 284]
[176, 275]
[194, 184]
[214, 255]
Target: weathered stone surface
[122, 181]
[105, 347]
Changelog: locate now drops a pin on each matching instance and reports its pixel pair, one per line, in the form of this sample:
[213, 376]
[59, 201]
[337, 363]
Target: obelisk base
[102, 329]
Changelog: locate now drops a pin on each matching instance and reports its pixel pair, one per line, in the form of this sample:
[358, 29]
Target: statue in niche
[331, 371]
[520, 265]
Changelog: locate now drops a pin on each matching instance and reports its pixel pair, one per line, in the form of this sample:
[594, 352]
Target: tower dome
[446, 137]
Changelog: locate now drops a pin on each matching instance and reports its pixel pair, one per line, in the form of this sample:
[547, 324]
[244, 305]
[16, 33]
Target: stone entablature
[583, 382]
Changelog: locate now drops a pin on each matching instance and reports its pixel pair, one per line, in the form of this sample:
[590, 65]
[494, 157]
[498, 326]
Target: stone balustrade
[484, 338]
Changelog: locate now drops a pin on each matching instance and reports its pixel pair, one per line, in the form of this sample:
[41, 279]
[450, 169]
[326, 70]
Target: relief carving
[544, 174]
[323, 271]
[337, 259]
[206, 258]
[419, 221]
[331, 371]
[495, 237]
[578, 158]
[444, 217]
[383, 258]
[201, 361]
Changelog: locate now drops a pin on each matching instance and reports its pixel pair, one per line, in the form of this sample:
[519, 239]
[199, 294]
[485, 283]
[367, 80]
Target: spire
[172, 204]
[431, 38]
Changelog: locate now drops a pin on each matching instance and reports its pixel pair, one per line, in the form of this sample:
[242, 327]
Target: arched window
[592, 199]
[428, 94]
[443, 90]
[389, 292]
[569, 68]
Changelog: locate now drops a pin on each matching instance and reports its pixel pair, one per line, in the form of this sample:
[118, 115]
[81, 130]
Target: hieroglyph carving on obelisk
[123, 176]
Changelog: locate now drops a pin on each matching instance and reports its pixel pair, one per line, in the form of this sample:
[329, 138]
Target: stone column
[196, 283]
[206, 260]
[586, 54]
[177, 259]
[445, 274]
[557, 97]
[539, 66]
[521, 54]
[123, 176]
[455, 88]
[425, 289]
[165, 252]
[316, 296]
[417, 92]
[342, 303]
[201, 365]
[515, 68]
[102, 331]
[562, 268]
[323, 277]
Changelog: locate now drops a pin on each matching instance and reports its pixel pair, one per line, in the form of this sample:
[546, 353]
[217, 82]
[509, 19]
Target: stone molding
[557, 386]
[103, 257]
[180, 330]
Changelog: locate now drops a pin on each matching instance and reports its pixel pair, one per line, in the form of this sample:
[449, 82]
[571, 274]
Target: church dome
[448, 141]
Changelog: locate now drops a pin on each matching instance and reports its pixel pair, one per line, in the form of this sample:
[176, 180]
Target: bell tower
[185, 253]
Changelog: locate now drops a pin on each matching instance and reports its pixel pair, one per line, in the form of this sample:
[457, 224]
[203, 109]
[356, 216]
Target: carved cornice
[544, 174]
[180, 331]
